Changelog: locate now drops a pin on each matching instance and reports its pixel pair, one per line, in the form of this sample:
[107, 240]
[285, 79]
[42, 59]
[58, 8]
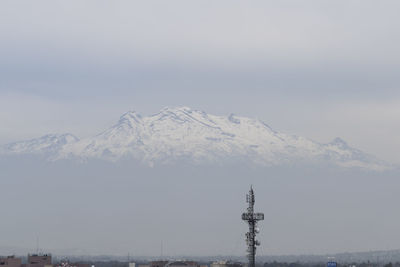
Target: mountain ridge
[181, 133]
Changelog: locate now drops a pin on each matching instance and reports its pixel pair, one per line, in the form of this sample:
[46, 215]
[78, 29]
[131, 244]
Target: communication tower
[252, 218]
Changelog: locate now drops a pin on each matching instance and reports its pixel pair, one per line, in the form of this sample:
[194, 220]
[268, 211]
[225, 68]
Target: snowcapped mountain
[183, 134]
[49, 145]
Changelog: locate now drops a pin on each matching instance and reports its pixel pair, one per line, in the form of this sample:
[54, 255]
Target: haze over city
[128, 124]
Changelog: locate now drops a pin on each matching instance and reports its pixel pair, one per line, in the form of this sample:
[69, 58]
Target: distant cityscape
[36, 260]
[46, 260]
[382, 259]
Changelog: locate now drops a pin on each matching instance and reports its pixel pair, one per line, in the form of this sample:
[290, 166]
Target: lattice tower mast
[252, 218]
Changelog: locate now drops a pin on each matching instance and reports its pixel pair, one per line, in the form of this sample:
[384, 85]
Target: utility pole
[252, 218]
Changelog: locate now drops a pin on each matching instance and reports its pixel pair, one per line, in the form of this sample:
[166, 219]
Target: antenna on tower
[252, 218]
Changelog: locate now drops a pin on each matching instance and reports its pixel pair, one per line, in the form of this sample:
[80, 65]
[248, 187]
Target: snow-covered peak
[174, 111]
[179, 114]
[131, 115]
[233, 119]
[181, 133]
[50, 143]
[339, 142]
[129, 119]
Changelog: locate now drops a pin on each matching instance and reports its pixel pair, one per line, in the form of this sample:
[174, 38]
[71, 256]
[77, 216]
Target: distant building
[226, 264]
[132, 264]
[67, 264]
[181, 264]
[171, 264]
[10, 261]
[39, 260]
[158, 263]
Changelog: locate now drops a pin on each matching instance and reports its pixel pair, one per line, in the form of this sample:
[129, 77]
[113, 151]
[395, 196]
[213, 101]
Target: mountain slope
[183, 134]
[49, 145]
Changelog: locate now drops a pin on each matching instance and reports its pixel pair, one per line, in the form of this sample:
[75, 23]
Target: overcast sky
[320, 69]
